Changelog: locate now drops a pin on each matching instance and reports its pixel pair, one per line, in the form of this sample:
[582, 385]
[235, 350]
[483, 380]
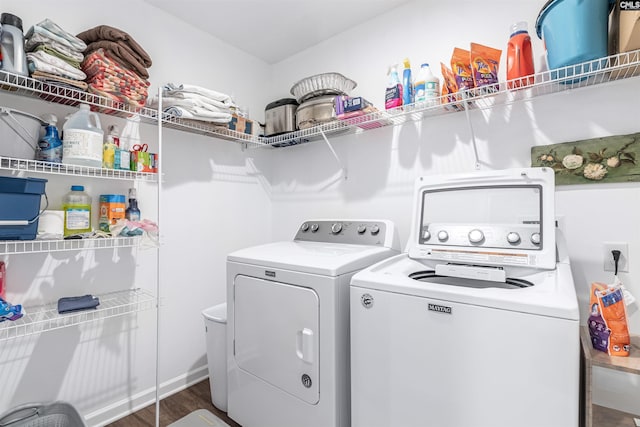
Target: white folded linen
[171, 89]
[42, 61]
[37, 39]
[51, 30]
[198, 114]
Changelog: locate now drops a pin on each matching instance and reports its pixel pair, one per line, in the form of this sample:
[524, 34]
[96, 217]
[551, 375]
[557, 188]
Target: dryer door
[276, 335]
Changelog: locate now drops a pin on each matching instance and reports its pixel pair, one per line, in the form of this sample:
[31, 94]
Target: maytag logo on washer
[270, 273]
[440, 308]
[367, 300]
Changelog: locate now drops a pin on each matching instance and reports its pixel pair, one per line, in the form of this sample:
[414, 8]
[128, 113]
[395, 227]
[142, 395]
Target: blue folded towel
[85, 302]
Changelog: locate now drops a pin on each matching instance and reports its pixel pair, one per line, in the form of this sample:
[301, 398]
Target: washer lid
[327, 259]
[493, 218]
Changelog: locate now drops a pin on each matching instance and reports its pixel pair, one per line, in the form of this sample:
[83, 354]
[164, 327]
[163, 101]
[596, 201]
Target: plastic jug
[14, 59]
[427, 87]
[519, 57]
[76, 205]
[82, 140]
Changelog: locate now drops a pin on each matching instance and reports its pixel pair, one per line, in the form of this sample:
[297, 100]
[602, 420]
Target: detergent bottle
[393, 94]
[76, 205]
[427, 87]
[50, 146]
[519, 57]
[82, 140]
[13, 57]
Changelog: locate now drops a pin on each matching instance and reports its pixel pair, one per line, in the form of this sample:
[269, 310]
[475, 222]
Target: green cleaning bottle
[76, 205]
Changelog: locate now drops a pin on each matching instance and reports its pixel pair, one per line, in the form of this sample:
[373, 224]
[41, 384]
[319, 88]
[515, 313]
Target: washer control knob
[476, 236]
[535, 238]
[513, 237]
[375, 230]
[443, 235]
[314, 228]
[305, 227]
[362, 228]
[336, 228]
[426, 235]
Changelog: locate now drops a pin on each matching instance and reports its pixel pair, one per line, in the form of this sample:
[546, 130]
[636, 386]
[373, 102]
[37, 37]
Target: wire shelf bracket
[335, 155]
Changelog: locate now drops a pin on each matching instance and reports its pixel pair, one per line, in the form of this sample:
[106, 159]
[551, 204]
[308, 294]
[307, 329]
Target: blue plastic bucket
[574, 31]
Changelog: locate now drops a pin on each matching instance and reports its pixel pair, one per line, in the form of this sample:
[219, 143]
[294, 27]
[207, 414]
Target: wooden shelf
[595, 415]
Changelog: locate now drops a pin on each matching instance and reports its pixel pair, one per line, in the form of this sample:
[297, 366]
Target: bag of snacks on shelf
[461, 67]
[608, 320]
[484, 62]
[449, 89]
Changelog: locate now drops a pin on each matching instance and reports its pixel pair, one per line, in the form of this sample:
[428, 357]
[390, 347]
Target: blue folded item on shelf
[70, 304]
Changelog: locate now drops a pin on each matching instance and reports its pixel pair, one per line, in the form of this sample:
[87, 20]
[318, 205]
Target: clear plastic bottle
[50, 146]
[82, 140]
[76, 205]
[132, 213]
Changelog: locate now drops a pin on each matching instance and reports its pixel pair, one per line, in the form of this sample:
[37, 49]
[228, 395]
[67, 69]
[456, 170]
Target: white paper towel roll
[51, 225]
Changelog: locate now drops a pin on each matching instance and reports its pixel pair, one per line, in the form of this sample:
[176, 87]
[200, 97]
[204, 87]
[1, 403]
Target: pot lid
[280, 103]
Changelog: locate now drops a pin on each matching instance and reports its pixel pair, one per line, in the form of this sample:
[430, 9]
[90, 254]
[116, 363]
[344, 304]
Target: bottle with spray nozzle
[50, 145]
[393, 94]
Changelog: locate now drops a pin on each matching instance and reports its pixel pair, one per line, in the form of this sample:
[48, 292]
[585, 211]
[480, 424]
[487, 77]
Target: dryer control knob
[535, 238]
[314, 227]
[362, 228]
[426, 235]
[513, 237]
[375, 230]
[443, 235]
[336, 228]
[304, 227]
[476, 236]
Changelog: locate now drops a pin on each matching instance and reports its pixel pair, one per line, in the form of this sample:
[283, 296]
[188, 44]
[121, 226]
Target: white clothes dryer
[288, 323]
[478, 323]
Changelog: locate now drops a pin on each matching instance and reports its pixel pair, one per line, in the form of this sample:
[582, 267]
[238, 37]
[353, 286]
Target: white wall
[217, 198]
[213, 200]
[383, 164]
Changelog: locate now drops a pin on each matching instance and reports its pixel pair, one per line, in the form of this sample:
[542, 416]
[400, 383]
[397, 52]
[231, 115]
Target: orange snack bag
[449, 87]
[608, 320]
[461, 66]
[485, 61]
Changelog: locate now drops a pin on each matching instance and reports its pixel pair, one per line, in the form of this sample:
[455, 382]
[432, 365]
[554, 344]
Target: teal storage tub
[574, 32]
[20, 207]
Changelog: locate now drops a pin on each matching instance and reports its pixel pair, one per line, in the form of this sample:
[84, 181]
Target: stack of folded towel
[116, 65]
[193, 102]
[54, 55]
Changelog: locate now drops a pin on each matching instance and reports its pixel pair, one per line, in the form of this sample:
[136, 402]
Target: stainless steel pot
[316, 111]
[280, 117]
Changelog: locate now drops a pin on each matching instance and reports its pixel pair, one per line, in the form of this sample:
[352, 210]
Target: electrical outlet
[623, 263]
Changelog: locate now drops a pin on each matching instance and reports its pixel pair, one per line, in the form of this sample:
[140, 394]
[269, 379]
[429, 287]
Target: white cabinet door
[276, 335]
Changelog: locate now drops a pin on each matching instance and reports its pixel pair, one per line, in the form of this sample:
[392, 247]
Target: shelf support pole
[473, 135]
[158, 258]
[335, 155]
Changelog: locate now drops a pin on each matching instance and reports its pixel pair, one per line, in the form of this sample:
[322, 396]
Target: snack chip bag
[484, 62]
[608, 320]
[461, 66]
[449, 88]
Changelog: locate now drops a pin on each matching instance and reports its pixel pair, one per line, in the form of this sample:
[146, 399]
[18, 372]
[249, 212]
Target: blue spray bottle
[50, 145]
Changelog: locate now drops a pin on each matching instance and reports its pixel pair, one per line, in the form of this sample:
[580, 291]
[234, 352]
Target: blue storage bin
[20, 201]
[574, 31]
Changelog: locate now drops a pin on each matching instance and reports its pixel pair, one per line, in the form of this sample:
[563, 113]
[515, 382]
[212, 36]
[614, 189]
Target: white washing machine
[477, 324]
[288, 323]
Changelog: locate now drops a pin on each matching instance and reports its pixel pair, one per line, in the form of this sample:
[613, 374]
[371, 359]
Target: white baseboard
[127, 406]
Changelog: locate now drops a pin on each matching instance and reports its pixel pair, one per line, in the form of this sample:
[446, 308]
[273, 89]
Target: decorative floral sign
[608, 159]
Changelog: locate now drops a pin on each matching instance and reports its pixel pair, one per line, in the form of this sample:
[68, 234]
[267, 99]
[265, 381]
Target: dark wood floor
[607, 417]
[175, 407]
